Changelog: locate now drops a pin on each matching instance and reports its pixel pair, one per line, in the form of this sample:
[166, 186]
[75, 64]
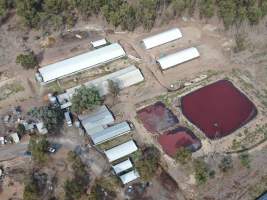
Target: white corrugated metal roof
[110, 133]
[122, 166]
[81, 62]
[178, 58]
[96, 121]
[130, 176]
[124, 78]
[121, 150]
[99, 43]
[162, 38]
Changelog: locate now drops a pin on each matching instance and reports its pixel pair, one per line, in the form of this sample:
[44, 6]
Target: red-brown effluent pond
[172, 140]
[218, 109]
[157, 117]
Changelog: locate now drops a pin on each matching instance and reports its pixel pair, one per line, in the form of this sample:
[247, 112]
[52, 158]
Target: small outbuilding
[122, 166]
[15, 137]
[130, 176]
[121, 151]
[110, 133]
[177, 58]
[99, 43]
[162, 38]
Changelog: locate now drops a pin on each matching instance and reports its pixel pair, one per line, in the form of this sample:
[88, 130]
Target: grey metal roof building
[124, 78]
[110, 133]
[122, 166]
[96, 121]
[80, 63]
[121, 150]
[130, 176]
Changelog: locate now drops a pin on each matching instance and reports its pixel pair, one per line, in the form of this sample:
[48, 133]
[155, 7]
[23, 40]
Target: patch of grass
[257, 189]
[10, 89]
[115, 142]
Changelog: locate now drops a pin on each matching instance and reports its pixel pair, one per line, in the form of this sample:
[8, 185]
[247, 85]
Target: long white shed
[162, 38]
[178, 58]
[80, 63]
[130, 176]
[121, 150]
[110, 133]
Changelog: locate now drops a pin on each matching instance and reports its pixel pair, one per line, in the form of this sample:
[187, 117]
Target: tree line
[128, 15]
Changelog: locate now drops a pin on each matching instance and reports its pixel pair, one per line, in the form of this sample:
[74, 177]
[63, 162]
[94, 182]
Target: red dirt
[157, 117]
[177, 138]
[218, 109]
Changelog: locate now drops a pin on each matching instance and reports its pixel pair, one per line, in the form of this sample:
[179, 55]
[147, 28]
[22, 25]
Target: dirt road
[9, 152]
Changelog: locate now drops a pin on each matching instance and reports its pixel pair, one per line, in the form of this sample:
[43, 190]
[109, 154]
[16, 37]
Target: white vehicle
[51, 149]
[68, 118]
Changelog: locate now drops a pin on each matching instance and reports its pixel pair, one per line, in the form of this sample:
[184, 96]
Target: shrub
[201, 171]
[183, 155]
[28, 61]
[226, 163]
[245, 160]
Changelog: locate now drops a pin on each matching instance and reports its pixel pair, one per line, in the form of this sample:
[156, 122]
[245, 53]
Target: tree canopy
[51, 115]
[57, 14]
[85, 98]
[74, 188]
[183, 155]
[148, 163]
[38, 148]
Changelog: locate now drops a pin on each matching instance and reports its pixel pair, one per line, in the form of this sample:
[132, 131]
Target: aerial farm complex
[217, 109]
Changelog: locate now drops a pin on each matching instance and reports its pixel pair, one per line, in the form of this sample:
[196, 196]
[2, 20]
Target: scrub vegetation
[57, 14]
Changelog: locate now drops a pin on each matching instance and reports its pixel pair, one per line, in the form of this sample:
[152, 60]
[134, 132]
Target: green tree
[206, 8]
[147, 12]
[179, 7]
[245, 160]
[73, 190]
[227, 10]
[183, 155]
[5, 5]
[254, 15]
[21, 130]
[201, 171]
[31, 191]
[114, 90]
[51, 115]
[75, 187]
[226, 163]
[38, 148]
[85, 98]
[29, 11]
[149, 163]
[28, 60]
[128, 17]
